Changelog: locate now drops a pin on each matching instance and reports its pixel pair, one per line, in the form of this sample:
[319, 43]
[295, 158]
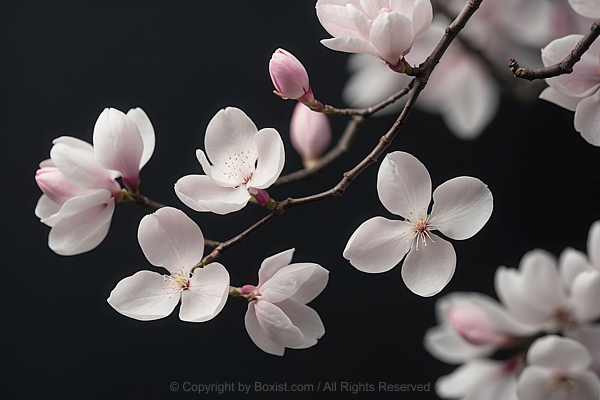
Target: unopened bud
[56, 186]
[310, 133]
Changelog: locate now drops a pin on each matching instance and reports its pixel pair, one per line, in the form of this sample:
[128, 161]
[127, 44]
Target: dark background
[61, 63]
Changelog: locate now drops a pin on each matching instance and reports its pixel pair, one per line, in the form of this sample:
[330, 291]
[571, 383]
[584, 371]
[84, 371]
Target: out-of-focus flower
[461, 208]
[277, 315]
[586, 8]
[171, 240]
[577, 91]
[245, 162]
[385, 29]
[310, 133]
[558, 368]
[291, 79]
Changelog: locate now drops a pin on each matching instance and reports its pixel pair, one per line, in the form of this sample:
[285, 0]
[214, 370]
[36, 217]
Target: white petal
[170, 239]
[404, 186]
[585, 295]
[572, 262]
[313, 286]
[207, 294]
[217, 173]
[378, 245]
[45, 208]
[81, 224]
[350, 45]
[562, 100]
[286, 282]
[334, 19]
[306, 319]
[141, 120]
[272, 264]
[535, 383]
[271, 157]
[229, 131]
[361, 22]
[561, 353]
[464, 380]
[143, 296]
[257, 334]
[428, 270]
[422, 14]
[446, 345]
[593, 244]
[586, 8]
[277, 326]
[587, 119]
[589, 336]
[539, 383]
[202, 193]
[392, 36]
[514, 296]
[461, 207]
[118, 144]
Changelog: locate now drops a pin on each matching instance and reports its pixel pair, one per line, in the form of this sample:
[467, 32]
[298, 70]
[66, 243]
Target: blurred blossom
[310, 133]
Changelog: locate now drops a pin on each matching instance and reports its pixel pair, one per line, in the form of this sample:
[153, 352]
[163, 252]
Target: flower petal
[143, 296]
[313, 286]
[446, 345]
[587, 119]
[170, 239]
[333, 16]
[277, 326]
[586, 8]
[461, 207]
[81, 224]
[257, 334]
[570, 263]
[378, 245]
[392, 36]
[562, 100]
[45, 208]
[202, 193]
[561, 353]
[428, 269]
[404, 186]
[271, 157]
[350, 45]
[286, 282]
[306, 319]
[585, 295]
[141, 120]
[230, 131]
[362, 23]
[272, 264]
[593, 244]
[207, 294]
[535, 383]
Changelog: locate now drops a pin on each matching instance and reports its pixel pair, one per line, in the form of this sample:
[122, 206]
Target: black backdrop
[182, 61]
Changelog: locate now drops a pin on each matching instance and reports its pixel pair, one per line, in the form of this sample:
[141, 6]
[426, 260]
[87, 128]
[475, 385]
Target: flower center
[421, 231]
[562, 386]
[561, 316]
[177, 282]
[384, 10]
[238, 167]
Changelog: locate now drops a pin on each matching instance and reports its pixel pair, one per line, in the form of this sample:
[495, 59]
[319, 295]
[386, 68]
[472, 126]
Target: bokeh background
[63, 62]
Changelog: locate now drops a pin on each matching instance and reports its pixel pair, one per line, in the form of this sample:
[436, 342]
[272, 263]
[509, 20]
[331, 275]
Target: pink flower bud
[310, 133]
[473, 325]
[249, 289]
[56, 186]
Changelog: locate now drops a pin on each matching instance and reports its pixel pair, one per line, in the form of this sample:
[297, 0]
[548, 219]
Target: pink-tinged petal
[404, 186]
[587, 119]
[288, 74]
[286, 282]
[75, 159]
[170, 239]
[446, 345]
[350, 45]
[271, 157]
[585, 296]
[422, 16]
[428, 270]
[313, 286]
[230, 131]
[202, 193]
[143, 296]
[593, 244]
[560, 353]
[207, 294]
[586, 8]
[392, 36]
[257, 334]
[81, 224]
[562, 100]
[272, 264]
[334, 18]
[310, 132]
[461, 207]
[118, 145]
[373, 7]
[361, 22]
[571, 263]
[306, 319]
[141, 120]
[56, 186]
[45, 208]
[277, 326]
[378, 245]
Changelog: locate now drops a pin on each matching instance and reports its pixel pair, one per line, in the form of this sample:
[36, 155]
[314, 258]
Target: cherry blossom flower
[558, 368]
[291, 79]
[577, 91]
[310, 133]
[385, 29]
[245, 162]
[277, 315]
[79, 191]
[171, 240]
[461, 208]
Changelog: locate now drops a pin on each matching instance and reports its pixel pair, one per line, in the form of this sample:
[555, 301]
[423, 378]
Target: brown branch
[562, 67]
[141, 200]
[423, 73]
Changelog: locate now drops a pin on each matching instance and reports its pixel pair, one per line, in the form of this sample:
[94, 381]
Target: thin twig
[423, 72]
[562, 67]
[142, 200]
